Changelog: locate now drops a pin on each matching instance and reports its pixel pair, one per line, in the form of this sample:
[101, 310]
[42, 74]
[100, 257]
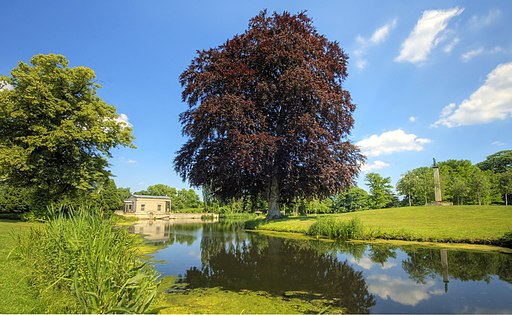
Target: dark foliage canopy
[268, 113]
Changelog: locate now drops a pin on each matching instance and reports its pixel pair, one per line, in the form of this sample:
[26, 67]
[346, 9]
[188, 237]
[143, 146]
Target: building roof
[150, 197]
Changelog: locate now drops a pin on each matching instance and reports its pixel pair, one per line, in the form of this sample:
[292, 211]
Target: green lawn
[471, 224]
[17, 296]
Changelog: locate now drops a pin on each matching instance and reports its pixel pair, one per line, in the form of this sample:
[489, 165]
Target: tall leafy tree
[480, 186]
[498, 162]
[161, 190]
[380, 190]
[123, 193]
[55, 131]
[108, 198]
[417, 185]
[407, 185]
[354, 199]
[456, 178]
[505, 184]
[269, 115]
[459, 189]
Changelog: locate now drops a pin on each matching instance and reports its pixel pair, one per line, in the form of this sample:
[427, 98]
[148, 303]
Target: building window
[129, 207]
[142, 207]
[159, 208]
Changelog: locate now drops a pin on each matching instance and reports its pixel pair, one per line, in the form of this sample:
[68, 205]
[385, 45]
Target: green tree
[108, 197]
[14, 199]
[380, 190]
[456, 176]
[498, 162]
[123, 193]
[505, 184]
[355, 199]
[424, 185]
[189, 198]
[161, 190]
[480, 186]
[459, 189]
[407, 185]
[56, 133]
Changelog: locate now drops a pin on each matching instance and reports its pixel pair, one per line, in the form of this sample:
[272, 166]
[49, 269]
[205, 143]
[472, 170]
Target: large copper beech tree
[268, 115]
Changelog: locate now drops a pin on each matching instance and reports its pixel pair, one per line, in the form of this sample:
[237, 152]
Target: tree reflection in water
[279, 266]
[327, 273]
[424, 263]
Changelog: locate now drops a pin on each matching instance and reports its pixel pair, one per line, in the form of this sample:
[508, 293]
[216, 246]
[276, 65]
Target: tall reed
[334, 228]
[81, 256]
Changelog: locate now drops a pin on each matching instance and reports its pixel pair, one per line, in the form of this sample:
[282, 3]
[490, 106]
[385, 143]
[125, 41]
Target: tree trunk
[410, 203]
[506, 199]
[273, 201]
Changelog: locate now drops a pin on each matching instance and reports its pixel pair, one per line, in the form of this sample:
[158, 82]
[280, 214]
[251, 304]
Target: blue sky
[430, 78]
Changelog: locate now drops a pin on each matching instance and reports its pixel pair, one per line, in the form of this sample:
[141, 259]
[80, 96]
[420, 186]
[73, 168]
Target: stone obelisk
[437, 185]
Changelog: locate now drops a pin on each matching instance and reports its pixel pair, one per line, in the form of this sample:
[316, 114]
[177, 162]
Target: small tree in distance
[268, 115]
[380, 190]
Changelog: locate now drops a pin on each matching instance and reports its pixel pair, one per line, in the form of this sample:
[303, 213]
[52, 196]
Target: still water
[359, 278]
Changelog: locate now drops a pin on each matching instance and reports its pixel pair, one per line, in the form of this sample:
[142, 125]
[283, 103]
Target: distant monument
[437, 185]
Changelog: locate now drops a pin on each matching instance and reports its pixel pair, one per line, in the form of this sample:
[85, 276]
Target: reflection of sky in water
[179, 257]
[396, 292]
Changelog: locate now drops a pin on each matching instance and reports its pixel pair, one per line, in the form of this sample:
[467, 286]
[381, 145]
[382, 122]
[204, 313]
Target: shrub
[506, 240]
[333, 228]
[81, 256]
[253, 224]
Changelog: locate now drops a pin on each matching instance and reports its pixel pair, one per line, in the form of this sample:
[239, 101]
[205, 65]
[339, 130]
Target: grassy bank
[460, 224]
[17, 295]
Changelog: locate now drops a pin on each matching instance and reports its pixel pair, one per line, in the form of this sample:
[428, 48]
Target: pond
[358, 278]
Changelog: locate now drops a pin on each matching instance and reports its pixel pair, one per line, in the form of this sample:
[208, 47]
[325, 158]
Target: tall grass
[87, 266]
[338, 229]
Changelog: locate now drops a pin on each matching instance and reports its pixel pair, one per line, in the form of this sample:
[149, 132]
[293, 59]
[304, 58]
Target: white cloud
[382, 33]
[449, 47]
[497, 49]
[467, 56]
[403, 291]
[378, 36]
[367, 264]
[498, 143]
[485, 20]
[376, 165]
[427, 33]
[123, 119]
[391, 142]
[491, 101]
[412, 119]
[127, 161]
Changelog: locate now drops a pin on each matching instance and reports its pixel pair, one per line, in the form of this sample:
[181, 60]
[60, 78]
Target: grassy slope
[17, 296]
[479, 224]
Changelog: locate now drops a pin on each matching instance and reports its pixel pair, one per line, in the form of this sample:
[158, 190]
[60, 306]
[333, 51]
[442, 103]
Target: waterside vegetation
[80, 263]
[458, 224]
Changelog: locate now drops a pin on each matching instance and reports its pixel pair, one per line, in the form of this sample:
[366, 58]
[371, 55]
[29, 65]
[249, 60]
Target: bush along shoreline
[82, 264]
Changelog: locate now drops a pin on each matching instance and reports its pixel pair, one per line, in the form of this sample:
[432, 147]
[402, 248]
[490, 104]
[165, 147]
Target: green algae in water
[174, 297]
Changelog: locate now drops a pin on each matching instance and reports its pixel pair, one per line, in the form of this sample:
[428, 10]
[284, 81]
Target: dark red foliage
[269, 105]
